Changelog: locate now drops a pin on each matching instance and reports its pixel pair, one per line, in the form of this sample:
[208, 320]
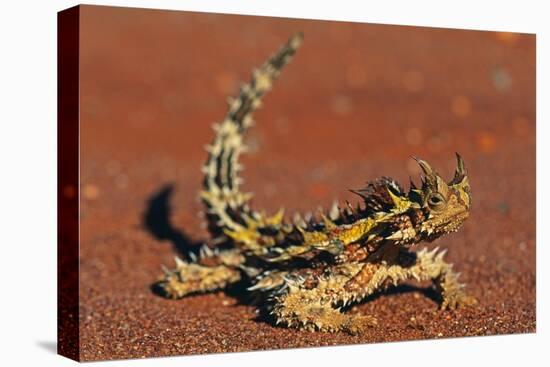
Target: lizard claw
[457, 300]
[357, 324]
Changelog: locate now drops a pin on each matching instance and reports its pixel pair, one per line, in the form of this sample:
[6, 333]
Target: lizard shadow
[156, 220]
[428, 292]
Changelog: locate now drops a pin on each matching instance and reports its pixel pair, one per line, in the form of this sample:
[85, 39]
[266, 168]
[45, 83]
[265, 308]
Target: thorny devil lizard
[304, 272]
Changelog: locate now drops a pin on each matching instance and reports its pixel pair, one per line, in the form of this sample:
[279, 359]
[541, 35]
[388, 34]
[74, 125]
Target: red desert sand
[355, 104]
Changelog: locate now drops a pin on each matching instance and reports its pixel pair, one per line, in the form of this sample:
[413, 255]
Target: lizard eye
[436, 201]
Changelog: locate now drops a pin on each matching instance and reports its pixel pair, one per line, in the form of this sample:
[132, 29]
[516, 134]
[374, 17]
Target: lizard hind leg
[192, 278]
[314, 309]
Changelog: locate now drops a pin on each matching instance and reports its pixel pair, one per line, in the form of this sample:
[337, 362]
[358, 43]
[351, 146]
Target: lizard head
[445, 205]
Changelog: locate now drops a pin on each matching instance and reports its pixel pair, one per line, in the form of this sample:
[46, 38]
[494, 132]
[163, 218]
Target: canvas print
[389, 193]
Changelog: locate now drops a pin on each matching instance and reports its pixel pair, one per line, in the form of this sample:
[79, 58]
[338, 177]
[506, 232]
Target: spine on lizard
[227, 208]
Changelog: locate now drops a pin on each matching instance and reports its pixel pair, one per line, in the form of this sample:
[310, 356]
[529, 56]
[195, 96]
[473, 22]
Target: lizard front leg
[421, 266]
[431, 266]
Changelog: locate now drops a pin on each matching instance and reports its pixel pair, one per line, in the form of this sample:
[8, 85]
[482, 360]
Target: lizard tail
[227, 209]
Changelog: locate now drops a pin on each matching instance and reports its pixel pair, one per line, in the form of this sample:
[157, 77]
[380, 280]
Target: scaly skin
[306, 269]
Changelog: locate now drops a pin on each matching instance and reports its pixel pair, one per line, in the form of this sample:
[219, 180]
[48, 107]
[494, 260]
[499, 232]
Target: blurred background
[357, 101]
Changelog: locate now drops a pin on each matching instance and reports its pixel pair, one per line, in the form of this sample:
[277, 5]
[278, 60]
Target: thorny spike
[299, 221]
[432, 253]
[254, 287]
[395, 236]
[179, 262]
[334, 212]
[358, 193]
[430, 176]
[460, 171]
[320, 211]
[426, 168]
[208, 251]
[328, 223]
[166, 271]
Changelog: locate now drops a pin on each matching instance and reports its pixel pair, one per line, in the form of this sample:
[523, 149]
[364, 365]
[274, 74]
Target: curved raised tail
[227, 210]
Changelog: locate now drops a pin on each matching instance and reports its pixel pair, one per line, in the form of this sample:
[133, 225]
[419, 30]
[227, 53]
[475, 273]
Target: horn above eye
[430, 176]
[460, 171]
[426, 168]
